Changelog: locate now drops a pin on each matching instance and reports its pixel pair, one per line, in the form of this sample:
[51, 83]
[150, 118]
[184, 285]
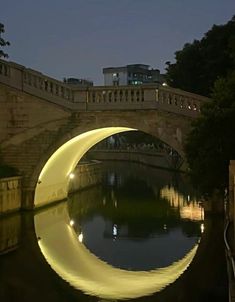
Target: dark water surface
[138, 219]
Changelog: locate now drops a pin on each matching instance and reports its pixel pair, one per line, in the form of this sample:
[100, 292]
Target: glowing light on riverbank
[71, 175]
[80, 237]
[71, 222]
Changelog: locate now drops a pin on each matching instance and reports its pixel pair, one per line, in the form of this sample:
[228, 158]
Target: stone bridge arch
[89, 132]
[30, 150]
[38, 114]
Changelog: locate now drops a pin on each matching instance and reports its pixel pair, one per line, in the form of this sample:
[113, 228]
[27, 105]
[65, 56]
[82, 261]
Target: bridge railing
[35, 83]
[154, 96]
[4, 69]
[111, 98]
[144, 97]
[179, 101]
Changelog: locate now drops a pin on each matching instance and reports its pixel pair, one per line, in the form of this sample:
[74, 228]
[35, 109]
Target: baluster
[120, 95]
[104, 96]
[142, 95]
[126, 95]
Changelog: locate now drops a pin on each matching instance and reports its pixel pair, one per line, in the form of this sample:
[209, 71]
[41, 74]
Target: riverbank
[153, 159]
[85, 174]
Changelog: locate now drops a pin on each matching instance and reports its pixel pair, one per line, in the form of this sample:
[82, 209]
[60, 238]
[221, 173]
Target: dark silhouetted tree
[199, 64]
[211, 142]
[3, 42]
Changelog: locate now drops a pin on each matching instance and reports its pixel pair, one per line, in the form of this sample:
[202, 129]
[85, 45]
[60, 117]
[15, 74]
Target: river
[139, 235]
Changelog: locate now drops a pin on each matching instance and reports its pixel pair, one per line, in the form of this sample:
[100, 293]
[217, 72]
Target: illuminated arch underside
[54, 178]
[74, 263]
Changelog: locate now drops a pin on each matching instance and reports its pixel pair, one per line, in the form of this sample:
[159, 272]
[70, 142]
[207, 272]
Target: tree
[3, 42]
[211, 142]
[199, 64]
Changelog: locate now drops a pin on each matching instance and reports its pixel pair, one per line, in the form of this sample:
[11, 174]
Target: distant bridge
[46, 125]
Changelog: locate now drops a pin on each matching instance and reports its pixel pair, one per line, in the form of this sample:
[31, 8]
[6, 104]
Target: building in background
[78, 82]
[134, 74]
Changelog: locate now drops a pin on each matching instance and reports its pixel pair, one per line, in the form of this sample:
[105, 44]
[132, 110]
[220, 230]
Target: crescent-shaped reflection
[74, 263]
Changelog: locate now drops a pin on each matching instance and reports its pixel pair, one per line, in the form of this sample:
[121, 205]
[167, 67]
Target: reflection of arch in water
[83, 270]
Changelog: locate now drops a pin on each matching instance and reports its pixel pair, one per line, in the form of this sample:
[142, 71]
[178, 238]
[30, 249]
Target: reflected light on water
[202, 228]
[83, 270]
[192, 211]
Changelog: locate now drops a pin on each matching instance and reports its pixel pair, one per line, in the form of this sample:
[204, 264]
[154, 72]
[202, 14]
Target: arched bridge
[46, 125]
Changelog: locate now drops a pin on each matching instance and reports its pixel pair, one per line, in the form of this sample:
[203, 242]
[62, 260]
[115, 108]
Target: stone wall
[10, 194]
[20, 111]
[86, 175]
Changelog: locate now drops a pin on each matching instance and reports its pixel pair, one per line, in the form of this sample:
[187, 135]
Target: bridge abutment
[28, 199]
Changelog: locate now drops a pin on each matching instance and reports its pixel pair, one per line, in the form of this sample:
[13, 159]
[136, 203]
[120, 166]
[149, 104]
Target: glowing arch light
[53, 180]
[74, 263]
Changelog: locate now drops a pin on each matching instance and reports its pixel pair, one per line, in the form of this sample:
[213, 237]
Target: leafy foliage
[199, 64]
[211, 143]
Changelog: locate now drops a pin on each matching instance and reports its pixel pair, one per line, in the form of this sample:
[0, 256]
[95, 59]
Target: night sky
[77, 38]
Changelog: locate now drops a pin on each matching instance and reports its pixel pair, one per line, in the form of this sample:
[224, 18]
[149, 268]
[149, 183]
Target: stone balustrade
[179, 101]
[4, 69]
[113, 95]
[35, 83]
[47, 85]
[149, 96]
[145, 97]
